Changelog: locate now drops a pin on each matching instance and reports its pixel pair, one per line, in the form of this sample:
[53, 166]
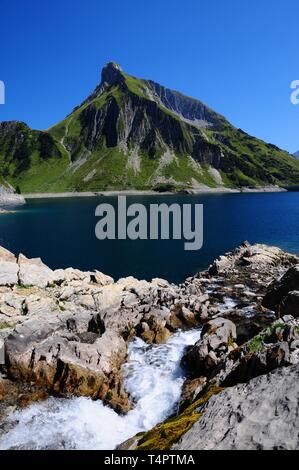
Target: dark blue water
[62, 233]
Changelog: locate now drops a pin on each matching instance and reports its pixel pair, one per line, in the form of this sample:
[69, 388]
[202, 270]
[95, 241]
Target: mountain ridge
[132, 133]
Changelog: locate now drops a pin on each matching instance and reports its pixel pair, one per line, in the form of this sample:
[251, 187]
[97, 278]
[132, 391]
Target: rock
[257, 257]
[131, 443]
[260, 415]
[61, 355]
[216, 338]
[1, 389]
[278, 290]
[38, 305]
[188, 316]
[255, 364]
[8, 268]
[191, 389]
[290, 304]
[33, 272]
[162, 335]
[101, 279]
[269, 350]
[2, 352]
[249, 321]
[8, 196]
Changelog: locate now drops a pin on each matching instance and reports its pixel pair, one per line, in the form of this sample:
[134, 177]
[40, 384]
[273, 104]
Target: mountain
[133, 133]
[296, 155]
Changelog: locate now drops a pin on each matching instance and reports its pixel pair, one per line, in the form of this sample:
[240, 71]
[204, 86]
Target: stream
[153, 378]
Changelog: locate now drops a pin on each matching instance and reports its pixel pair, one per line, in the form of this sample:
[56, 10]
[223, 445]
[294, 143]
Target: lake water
[62, 233]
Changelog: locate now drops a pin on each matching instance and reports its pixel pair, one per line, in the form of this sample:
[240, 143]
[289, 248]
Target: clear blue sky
[237, 56]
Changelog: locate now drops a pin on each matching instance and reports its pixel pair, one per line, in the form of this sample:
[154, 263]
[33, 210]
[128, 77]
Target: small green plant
[256, 344]
[25, 286]
[109, 396]
[164, 435]
[5, 325]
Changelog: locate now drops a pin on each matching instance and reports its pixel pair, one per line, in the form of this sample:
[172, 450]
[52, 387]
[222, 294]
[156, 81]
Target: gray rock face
[8, 195]
[279, 289]
[8, 268]
[33, 272]
[260, 415]
[290, 304]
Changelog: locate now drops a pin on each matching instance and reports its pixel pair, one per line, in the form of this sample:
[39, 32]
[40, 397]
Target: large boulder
[260, 415]
[33, 272]
[8, 268]
[69, 354]
[279, 289]
[290, 304]
[217, 340]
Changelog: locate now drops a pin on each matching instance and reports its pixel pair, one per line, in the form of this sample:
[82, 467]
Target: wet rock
[45, 352]
[191, 389]
[217, 338]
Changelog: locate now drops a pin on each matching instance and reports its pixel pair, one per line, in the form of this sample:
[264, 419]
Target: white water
[154, 380]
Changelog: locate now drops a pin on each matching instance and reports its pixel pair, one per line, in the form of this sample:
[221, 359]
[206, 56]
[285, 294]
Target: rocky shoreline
[201, 189]
[66, 333]
[9, 197]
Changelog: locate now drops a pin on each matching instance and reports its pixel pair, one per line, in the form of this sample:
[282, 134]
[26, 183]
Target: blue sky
[239, 57]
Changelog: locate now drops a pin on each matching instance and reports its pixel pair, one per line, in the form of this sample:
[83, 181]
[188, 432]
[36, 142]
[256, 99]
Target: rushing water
[153, 378]
[62, 233]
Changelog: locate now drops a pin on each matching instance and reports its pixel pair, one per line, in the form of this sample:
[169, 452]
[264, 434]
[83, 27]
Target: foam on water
[154, 380]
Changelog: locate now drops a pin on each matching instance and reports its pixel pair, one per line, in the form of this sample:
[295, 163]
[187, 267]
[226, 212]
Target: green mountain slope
[133, 133]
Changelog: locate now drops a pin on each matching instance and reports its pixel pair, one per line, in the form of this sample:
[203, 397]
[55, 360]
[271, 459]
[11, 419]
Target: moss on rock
[164, 435]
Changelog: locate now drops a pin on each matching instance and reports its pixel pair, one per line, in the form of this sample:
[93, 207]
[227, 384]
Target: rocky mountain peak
[112, 73]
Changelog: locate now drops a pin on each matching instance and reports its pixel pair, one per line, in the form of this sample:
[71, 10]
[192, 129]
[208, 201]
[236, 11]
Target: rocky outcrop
[260, 415]
[70, 354]
[280, 289]
[217, 340]
[8, 268]
[67, 331]
[257, 257]
[241, 343]
[8, 195]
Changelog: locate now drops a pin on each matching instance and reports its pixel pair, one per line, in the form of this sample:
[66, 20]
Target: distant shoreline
[135, 192]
